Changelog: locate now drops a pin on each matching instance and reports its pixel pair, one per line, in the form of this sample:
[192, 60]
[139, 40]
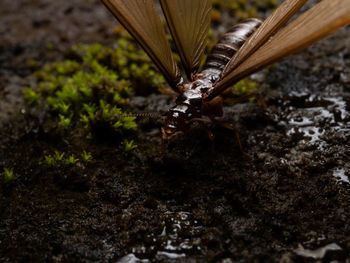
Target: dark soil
[286, 203]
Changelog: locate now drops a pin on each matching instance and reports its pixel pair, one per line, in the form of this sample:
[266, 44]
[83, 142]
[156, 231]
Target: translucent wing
[189, 23]
[315, 24]
[271, 25]
[141, 19]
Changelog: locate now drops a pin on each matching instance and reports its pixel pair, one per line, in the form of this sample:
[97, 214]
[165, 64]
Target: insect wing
[271, 25]
[189, 23]
[141, 19]
[313, 25]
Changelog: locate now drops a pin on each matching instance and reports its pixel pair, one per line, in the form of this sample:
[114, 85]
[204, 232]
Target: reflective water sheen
[313, 118]
[327, 114]
[178, 238]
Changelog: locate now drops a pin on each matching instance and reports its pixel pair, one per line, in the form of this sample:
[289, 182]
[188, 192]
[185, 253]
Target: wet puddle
[317, 116]
[179, 237]
[340, 175]
[311, 119]
[318, 253]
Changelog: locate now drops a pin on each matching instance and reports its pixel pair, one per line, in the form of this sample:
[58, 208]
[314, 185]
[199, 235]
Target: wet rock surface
[289, 202]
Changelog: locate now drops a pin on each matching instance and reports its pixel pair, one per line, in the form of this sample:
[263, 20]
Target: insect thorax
[189, 103]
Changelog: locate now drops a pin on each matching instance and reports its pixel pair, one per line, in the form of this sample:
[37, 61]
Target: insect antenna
[153, 115]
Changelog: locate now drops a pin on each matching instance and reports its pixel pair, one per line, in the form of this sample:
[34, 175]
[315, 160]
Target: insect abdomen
[227, 46]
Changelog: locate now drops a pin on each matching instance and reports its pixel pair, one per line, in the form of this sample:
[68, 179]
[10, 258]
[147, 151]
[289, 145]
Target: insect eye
[181, 88]
[168, 131]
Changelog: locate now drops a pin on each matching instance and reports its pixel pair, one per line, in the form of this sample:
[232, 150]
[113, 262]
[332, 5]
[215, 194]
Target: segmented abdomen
[226, 47]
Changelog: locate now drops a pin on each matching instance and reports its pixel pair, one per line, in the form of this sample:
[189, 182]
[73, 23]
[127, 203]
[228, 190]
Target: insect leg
[211, 137]
[164, 138]
[233, 128]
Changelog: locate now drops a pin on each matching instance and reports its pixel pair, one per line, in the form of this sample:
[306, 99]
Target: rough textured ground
[287, 203]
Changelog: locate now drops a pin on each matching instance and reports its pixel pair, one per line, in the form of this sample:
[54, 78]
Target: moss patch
[242, 9]
[90, 90]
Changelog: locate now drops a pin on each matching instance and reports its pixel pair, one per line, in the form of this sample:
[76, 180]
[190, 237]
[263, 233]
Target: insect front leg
[211, 137]
[210, 134]
[164, 138]
[234, 129]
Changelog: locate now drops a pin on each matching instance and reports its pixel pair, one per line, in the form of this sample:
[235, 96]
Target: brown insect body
[241, 52]
[190, 104]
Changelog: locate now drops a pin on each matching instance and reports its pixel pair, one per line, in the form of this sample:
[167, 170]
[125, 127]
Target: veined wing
[271, 25]
[141, 19]
[189, 23]
[313, 25]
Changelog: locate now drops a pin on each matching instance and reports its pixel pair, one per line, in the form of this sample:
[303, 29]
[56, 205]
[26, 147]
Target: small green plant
[86, 156]
[58, 159]
[91, 89]
[49, 160]
[31, 95]
[62, 108]
[71, 160]
[53, 160]
[8, 175]
[129, 145]
[244, 87]
[64, 122]
[58, 156]
[242, 9]
[49, 46]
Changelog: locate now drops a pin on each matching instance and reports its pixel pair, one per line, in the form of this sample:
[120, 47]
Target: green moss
[53, 160]
[242, 9]
[71, 160]
[59, 159]
[93, 86]
[244, 87]
[86, 156]
[65, 122]
[49, 161]
[31, 95]
[7, 175]
[129, 146]
[49, 46]
[32, 63]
